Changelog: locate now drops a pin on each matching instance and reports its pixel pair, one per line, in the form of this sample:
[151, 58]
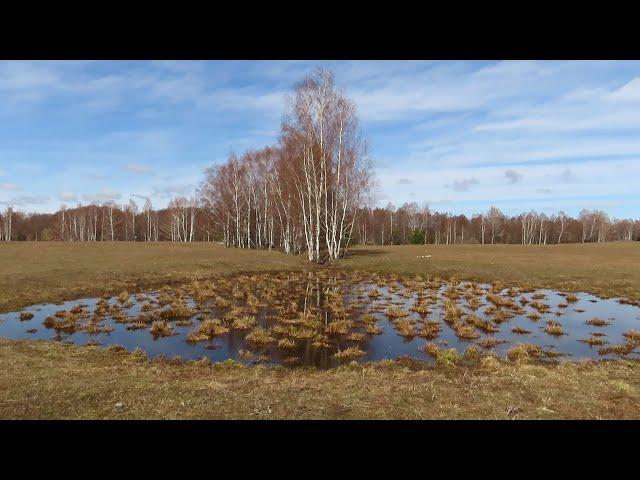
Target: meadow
[44, 379]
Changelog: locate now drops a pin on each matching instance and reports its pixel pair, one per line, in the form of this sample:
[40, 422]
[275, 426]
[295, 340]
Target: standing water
[326, 319]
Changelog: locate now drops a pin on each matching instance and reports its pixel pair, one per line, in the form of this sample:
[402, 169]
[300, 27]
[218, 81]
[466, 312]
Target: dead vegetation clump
[421, 307]
[534, 316]
[177, 311]
[261, 337]
[208, 329]
[161, 328]
[520, 330]
[632, 335]
[593, 341]
[466, 331]
[571, 298]
[484, 325]
[554, 328]
[430, 330]
[490, 342]
[620, 349]
[286, 343]
[524, 351]
[24, 316]
[597, 322]
[541, 307]
[395, 312]
[95, 328]
[62, 321]
[356, 337]
[405, 328]
[452, 312]
[350, 353]
[339, 327]
[244, 323]
[431, 349]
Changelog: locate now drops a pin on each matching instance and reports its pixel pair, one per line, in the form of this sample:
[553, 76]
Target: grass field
[606, 269]
[35, 272]
[48, 380]
[52, 380]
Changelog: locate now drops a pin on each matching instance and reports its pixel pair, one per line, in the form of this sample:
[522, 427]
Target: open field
[605, 269]
[53, 380]
[49, 380]
[37, 272]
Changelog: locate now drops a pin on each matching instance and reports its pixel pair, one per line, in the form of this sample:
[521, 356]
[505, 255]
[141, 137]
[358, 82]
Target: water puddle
[323, 319]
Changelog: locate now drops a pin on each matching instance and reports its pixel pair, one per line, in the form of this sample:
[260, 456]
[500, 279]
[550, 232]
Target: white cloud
[9, 186]
[27, 200]
[463, 185]
[102, 197]
[513, 176]
[139, 169]
[68, 197]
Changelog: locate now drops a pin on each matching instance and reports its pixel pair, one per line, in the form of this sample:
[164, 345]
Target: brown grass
[605, 269]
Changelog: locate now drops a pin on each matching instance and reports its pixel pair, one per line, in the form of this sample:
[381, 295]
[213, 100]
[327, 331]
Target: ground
[50, 380]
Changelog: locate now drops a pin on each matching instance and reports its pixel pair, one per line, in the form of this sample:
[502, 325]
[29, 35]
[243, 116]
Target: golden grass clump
[593, 341]
[221, 302]
[244, 323]
[260, 336]
[632, 335]
[421, 307]
[597, 322]
[466, 331]
[534, 316]
[501, 316]
[373, 329]
[208, 329]
[95, 328]
[431, 349]
[554, 328]
[356, 337]
[123, 297]
[24, 316]
[621, 349]
[286, 343]
[452, 312]
[524, 351]
[541, 307]
[489, 342]
[135, 325]
[161, 328]
[396, 312]
[473, 303]
[375, 293]
[339, 327]
[405, 328]
[350, 353]
[520, 330]
[430, 330]
[571, 298]
[176, 311]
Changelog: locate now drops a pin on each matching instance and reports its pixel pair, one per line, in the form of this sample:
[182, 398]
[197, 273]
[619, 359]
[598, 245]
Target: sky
[462, 136]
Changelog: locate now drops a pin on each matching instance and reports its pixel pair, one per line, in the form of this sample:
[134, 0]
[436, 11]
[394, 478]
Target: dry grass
[95, 380]
[46, 272]
[605, 269]
[48, 380]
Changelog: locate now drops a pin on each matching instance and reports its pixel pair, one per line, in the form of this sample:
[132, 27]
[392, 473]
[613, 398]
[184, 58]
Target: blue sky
[463, 136]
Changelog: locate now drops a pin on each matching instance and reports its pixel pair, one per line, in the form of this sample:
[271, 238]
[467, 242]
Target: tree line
[308, 194]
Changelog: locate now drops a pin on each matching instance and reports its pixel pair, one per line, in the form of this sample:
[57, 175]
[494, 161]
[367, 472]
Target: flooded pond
[324, 319]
